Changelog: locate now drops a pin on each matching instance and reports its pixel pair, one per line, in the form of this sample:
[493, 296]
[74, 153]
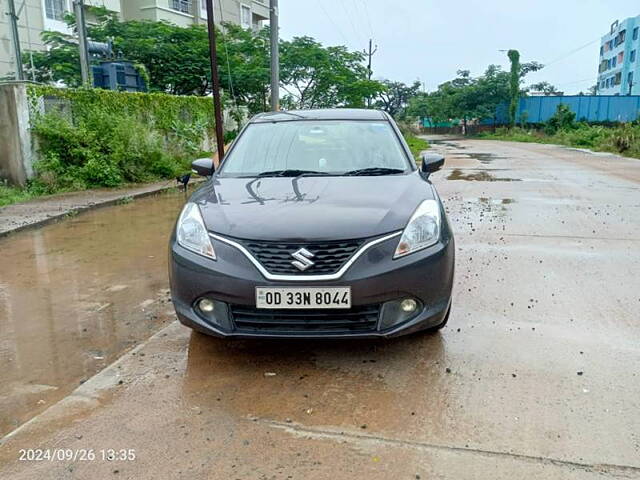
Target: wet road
[77, 294]
[537, 374]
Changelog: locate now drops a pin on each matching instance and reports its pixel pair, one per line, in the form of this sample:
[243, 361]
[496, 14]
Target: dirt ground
[536, 376]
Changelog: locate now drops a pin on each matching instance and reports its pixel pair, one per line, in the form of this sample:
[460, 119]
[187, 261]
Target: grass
[9, 194]
[621, 139]
[416, 144]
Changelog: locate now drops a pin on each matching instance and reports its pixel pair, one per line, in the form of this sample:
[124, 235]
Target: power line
[226, 54]
[568, 54]
[319, 2]
[590, 79]
[350, 18]
[366, 13]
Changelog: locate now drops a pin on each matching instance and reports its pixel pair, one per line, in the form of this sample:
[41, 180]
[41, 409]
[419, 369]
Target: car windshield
[323, 147]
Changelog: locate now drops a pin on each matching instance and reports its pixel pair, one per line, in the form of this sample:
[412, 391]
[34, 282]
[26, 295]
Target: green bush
[416, 144]
[626, 138]
[10, 194]
[111, 138]
[622, 138]
[563, 119]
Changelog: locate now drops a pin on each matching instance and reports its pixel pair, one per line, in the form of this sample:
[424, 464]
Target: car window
[328, 146]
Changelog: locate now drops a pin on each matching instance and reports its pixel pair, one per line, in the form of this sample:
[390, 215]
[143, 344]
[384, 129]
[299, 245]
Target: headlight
[191, 232]
[422, 231]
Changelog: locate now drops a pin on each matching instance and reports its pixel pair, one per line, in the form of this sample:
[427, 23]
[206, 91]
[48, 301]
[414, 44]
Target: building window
[245, 16]
[620, 57]
[55, 9]
[183, 6]
[618, 79]
[632, 56]
[635, 33]
[613, 62]
[630, 79]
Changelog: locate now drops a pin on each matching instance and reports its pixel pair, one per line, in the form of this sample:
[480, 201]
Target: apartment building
[36, 16]
[619, 67]
[247, 13]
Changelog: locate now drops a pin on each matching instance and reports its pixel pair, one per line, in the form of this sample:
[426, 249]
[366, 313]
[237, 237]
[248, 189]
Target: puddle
[479, 176]
[75, 295]
[484, 158]
[496, 201]
[445, 143]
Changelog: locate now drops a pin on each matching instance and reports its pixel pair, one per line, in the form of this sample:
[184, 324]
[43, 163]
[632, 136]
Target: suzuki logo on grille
[302, 259]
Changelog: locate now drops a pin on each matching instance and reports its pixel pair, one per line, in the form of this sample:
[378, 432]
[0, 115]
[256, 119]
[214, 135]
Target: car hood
[310, 208]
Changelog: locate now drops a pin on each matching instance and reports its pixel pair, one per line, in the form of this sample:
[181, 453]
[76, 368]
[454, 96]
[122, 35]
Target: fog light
[398, 311]
[206, 305]
[408, 305]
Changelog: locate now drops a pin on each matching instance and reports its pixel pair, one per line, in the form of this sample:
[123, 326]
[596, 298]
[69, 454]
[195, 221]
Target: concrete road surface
[536, 376]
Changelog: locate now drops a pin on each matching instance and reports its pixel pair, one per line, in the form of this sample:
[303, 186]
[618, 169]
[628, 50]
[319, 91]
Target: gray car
[316, 224]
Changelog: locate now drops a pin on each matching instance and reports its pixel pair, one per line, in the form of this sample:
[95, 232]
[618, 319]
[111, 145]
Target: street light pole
[275, 56]
[215, 81]
[81, 27]
[13, 19]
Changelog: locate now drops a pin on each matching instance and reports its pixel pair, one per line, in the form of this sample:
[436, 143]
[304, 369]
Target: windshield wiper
[282, 112]
[291, 173]
[374, 171]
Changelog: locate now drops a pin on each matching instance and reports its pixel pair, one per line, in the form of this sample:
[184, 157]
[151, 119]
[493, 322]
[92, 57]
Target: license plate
[303, 297]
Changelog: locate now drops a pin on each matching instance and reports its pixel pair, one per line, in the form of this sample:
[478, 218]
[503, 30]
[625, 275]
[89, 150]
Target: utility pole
[275, 55]
[13, 19]
[215, 81]
[81, 27]
[369, 54]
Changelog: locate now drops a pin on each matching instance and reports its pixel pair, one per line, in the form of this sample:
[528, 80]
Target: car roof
[320, 114]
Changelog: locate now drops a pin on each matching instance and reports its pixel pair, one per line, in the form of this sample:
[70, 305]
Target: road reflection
[75, 295]
[358, 384]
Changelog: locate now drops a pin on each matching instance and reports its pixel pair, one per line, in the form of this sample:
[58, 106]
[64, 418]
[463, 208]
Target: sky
[429, 40]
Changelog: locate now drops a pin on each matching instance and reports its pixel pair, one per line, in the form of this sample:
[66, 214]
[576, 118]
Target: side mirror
[431, 162]
[203, 166]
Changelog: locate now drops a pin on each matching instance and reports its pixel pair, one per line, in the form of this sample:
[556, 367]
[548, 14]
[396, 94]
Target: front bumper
[375, 278]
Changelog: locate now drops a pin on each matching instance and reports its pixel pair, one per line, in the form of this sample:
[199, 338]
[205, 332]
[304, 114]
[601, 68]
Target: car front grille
[360, 319]
[328, 257]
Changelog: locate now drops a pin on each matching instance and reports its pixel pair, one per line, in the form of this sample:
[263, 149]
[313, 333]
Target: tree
[514, 84]
[395, 96]
[529, 67]
[315, 76]
[59, 63]
[544, 87]
[464, 97]
[176, 60]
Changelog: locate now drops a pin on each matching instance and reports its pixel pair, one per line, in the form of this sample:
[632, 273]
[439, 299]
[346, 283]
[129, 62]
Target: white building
[36, 16]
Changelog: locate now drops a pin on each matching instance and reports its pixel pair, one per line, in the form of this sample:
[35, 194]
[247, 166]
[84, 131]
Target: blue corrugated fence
[589, 108]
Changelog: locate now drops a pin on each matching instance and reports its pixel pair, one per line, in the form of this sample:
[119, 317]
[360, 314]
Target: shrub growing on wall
[105, 138]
